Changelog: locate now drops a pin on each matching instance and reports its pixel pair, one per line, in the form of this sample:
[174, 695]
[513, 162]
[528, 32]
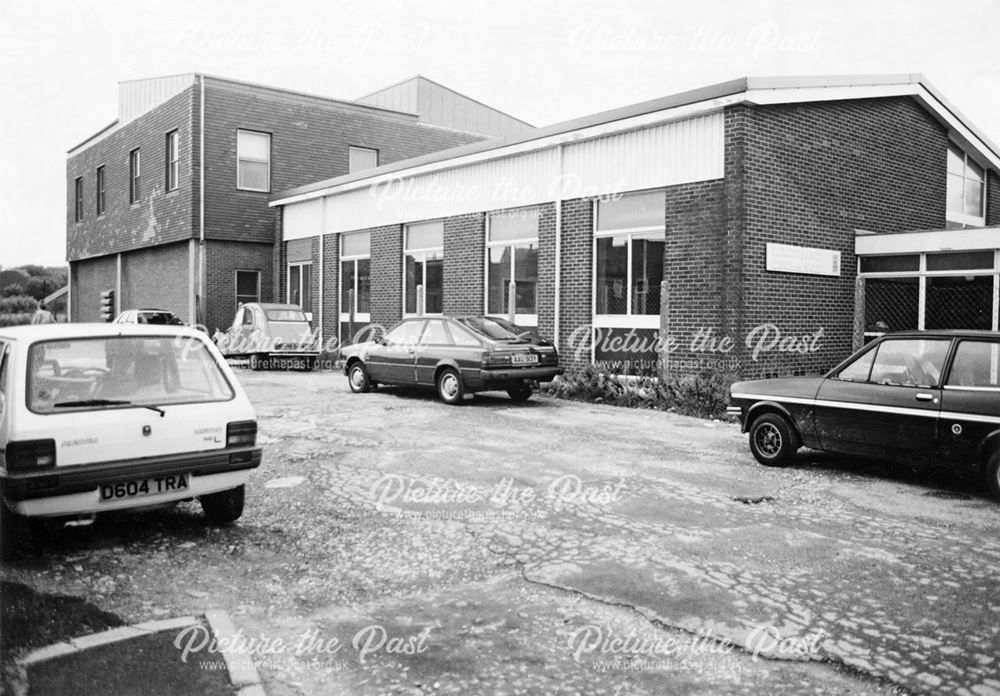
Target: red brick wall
[993, 199]
[222, 260]
[576, 284]
[89, 279]
[330, 265]
[387, 275]
[464, 254]
[159, 217]
[545, 292]
[157, 278]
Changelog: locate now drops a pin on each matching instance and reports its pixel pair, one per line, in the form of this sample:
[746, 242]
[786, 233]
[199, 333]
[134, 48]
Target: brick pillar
[859, 313]
[664, 329]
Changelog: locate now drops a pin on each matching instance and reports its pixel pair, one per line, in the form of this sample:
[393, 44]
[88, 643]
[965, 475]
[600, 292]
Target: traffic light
[108, 305]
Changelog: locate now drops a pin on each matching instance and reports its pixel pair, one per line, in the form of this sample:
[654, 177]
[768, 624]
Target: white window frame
[173, 160]
[520, 319]
[288, 286]
[420, 255]
[239, 160]
[78, 199]
[236, 284]
[101, 188]
[962, 218]
[351, 149]
[354, 258]
[134, 176]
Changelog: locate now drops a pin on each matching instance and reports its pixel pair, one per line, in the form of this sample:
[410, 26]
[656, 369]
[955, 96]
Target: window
[300, 285]
[173, 154]
[435, 334]
[247, 287]
[406, 334]
[355, 276]
[976, 365]
[859, 370]
[965, 191]
[78, 199]
[630, 238]
[253, 155]
[101, 200]
[512, 255]
[134, 182]
[424, 268]
[910, 362]
[361, 158]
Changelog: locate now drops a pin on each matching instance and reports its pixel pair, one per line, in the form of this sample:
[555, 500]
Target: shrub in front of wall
[18, 304]
[7, 319]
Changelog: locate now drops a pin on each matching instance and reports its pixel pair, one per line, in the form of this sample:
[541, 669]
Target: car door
[886, 403]
[970, 402]
[434, 346]
[392, 361]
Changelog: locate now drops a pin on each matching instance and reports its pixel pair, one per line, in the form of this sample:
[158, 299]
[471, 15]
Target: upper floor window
[253, 166]
[966, 190]
[101, 191]
[78, 199]
[362, 158]
[173, 155]
[512, 257]
[134, 180]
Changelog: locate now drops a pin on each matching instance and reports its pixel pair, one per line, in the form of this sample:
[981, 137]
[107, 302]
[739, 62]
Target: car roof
[151, 309]
[944, 333]
[273, 305]
[38, 332]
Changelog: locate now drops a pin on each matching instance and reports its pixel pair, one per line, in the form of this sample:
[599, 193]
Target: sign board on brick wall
[786, 258]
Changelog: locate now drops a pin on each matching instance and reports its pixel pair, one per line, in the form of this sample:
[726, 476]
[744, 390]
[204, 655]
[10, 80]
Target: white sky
[541, 61]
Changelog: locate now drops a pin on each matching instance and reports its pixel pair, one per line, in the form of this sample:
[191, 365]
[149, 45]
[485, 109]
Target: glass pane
[253, 175]
[973, 198]
[890, 264]
[497, 277]
[859, 370]
[977, 364]
[425, 235]
[362, 158]
[461, 337]
[149, 370]
[647, 273]
[956, 161]
[434, 334]
[526, 277]
[974, 171]
[414, 276]
[960, 261]
[612, 278]
[364, 285]
[514, 224]
[356, 244]
[891, 304]
[306, 300]
[910, 362]
[346, 286]
[954, 193]
[434, 291]
[246, 283]
[646, 209]
[294, 278]
[961, 302]
[406, 333]
[253, 146]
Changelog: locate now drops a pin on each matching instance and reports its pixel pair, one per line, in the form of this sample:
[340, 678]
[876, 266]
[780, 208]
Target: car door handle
[924, 396]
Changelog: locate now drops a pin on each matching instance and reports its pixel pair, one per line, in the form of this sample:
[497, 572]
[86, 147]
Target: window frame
[240, 160]
[302, 286]
[954, 358]
[100, 193]
[526, 320]
[78, 199]
[420, 255]
[345, 316]
[236, 285]
[134, 176]
[962, 218]
[359, 148]
[172, 160]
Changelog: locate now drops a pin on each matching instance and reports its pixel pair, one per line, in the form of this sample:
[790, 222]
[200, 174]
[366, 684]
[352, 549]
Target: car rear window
[159, 318]
[489, 328]
[117, 371]
[286, 315]
[976, 364]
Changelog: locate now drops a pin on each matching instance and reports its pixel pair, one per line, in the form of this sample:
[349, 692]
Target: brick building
[764, 226]
[168, 205]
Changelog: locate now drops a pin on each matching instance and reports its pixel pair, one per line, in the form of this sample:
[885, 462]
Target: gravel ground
[392, 544]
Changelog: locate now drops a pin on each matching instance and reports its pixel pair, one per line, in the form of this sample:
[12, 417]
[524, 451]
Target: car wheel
[993, 474]
[357, 378]
[449, 386]
[519, 393]
[772, 440]
[223, 507]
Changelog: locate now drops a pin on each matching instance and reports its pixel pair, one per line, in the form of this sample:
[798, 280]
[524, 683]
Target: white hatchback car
[98, 417]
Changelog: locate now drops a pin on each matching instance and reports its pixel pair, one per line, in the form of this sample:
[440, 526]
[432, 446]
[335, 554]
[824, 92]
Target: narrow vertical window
[966, 191]
[423, 268]
[134, 187]
[78, 199]
[101, 199]
[173, 155]
[355, 276]
[512, 256]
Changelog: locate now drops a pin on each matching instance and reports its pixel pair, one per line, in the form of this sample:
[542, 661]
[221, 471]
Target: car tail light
[29, 455]
[496, 359]
[241, 434]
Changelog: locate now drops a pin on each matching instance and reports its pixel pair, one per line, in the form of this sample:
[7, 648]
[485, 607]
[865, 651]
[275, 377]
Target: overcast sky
[541, 61]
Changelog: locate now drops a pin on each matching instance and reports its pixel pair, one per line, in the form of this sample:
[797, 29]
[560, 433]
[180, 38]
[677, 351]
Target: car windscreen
[490, 328]
[286, 315]
[162, 318]
[105, 372]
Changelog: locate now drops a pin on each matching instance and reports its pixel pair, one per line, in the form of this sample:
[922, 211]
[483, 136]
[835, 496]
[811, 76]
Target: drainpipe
[202, 280]
[558, 269]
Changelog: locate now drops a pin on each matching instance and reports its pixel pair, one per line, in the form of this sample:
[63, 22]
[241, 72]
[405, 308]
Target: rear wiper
[108, 402]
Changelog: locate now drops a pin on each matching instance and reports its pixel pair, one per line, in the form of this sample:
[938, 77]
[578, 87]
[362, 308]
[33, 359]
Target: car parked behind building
[99, 417]
[149, 316]
[926, 396]
[456, 355]
[271, 335]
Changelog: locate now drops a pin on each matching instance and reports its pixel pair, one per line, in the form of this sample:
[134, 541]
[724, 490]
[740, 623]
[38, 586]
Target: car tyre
[223, 507]
[773, 441]
[993, 474]
[520, 394]
[357, 378]
[449, 386]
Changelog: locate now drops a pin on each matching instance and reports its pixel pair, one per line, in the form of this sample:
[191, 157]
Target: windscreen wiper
[108, 402]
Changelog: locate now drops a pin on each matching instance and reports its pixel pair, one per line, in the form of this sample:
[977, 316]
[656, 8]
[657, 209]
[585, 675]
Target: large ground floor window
[423, 268]
[512, 257]
[355, 276]
[300, 285]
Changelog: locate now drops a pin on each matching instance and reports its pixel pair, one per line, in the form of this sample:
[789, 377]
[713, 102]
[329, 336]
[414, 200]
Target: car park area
[391, 543]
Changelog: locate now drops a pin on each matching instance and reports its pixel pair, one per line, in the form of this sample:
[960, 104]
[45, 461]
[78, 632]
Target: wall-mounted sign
[786, 258]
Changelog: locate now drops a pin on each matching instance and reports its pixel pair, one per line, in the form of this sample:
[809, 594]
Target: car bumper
[76, 489]
[519, 375]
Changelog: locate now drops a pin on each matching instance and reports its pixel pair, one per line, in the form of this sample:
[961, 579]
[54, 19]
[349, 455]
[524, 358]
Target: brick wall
[90, 278]
[330, 267]
[814, 173]
[545, 292]
[993, 199]
[157, 278]
[576, 283]
[464, 250]
[159, 217]
[387, 275]
[222, 259]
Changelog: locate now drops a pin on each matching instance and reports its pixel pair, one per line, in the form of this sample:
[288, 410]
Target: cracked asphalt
[392, 544]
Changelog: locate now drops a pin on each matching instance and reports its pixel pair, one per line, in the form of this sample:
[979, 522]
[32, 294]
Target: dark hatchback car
[456, 355]
[929, 396]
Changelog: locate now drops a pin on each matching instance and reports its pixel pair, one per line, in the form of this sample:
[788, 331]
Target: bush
[705, 395]
[18, 304]
[14, 319]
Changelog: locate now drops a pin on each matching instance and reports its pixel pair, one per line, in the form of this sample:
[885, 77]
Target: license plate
[168, 483]
[523, 358]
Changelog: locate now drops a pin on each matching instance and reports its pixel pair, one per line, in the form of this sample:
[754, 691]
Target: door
[435, 345]
[970, 403]
[393, 360]
[886, 403]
